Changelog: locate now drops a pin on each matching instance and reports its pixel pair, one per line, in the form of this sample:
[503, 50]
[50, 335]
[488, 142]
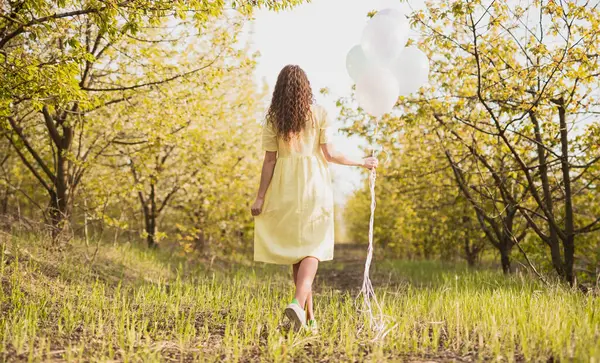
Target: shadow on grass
[126, 264]
[346, 274]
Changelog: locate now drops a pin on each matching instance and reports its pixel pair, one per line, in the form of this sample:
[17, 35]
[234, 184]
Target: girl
[294, 206]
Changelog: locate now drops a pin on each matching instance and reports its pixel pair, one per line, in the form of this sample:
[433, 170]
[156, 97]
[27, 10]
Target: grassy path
[134, 305]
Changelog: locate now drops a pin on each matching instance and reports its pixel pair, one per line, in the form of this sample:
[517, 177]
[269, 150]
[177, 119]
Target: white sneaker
[296, 315]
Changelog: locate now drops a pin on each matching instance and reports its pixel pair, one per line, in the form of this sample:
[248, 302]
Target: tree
[5, 182]
[420, 213]
[494, 210]
[526, 84]
[63, 63]
[182, 141]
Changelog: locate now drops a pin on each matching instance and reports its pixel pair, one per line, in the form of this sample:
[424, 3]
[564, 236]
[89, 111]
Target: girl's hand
[370, 163]
[257, 206]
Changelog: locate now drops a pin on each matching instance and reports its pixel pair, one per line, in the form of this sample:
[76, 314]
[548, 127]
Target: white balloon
[397, 14]
[385, 36]
[356, 62]
[377, 91]
[411, 69]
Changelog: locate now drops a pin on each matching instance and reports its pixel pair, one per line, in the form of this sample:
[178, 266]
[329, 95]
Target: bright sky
[317, 36]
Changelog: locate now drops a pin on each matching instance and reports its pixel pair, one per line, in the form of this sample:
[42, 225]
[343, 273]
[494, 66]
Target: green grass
[137, 305]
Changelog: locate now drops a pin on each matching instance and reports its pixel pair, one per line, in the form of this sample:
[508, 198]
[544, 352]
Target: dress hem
[325, 259]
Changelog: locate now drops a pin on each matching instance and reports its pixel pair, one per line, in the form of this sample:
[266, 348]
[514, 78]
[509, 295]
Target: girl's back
[306, 143]
[298, 210]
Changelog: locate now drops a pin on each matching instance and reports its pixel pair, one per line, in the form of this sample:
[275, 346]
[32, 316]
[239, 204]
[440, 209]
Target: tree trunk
[150, 232]
[428, 244]
[505, 256]
[59, 210]
[60, 198]
[505, 243]
[557, 260]
[553, 240]
[149, 225]
[4, 204]
[55, 182]
[150, 217]
[569, 250]
[148, 209]
[200, 242]
[59, 187]
[470, 253]
[569, 229]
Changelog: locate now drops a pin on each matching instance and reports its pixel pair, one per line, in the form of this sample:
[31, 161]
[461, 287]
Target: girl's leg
[309, 307]
[309, 300]
[295, 271]
[304, 279]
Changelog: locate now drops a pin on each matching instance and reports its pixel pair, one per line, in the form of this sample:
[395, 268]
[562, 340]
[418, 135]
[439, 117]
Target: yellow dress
[297, 217]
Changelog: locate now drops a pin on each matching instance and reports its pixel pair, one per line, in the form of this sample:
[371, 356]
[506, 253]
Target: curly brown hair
[290, 106]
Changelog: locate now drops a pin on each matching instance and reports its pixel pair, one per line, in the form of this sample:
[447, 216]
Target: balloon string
[375, 136]
[371, 305]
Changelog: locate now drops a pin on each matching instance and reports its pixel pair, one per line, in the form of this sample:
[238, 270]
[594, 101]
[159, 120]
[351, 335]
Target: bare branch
[51, 126]
[155, 83]
[29, 165]
[29, 148]
[590, 227]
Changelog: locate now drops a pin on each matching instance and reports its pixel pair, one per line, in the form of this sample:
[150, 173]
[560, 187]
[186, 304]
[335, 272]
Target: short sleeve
[326, 129]
[269, 138]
